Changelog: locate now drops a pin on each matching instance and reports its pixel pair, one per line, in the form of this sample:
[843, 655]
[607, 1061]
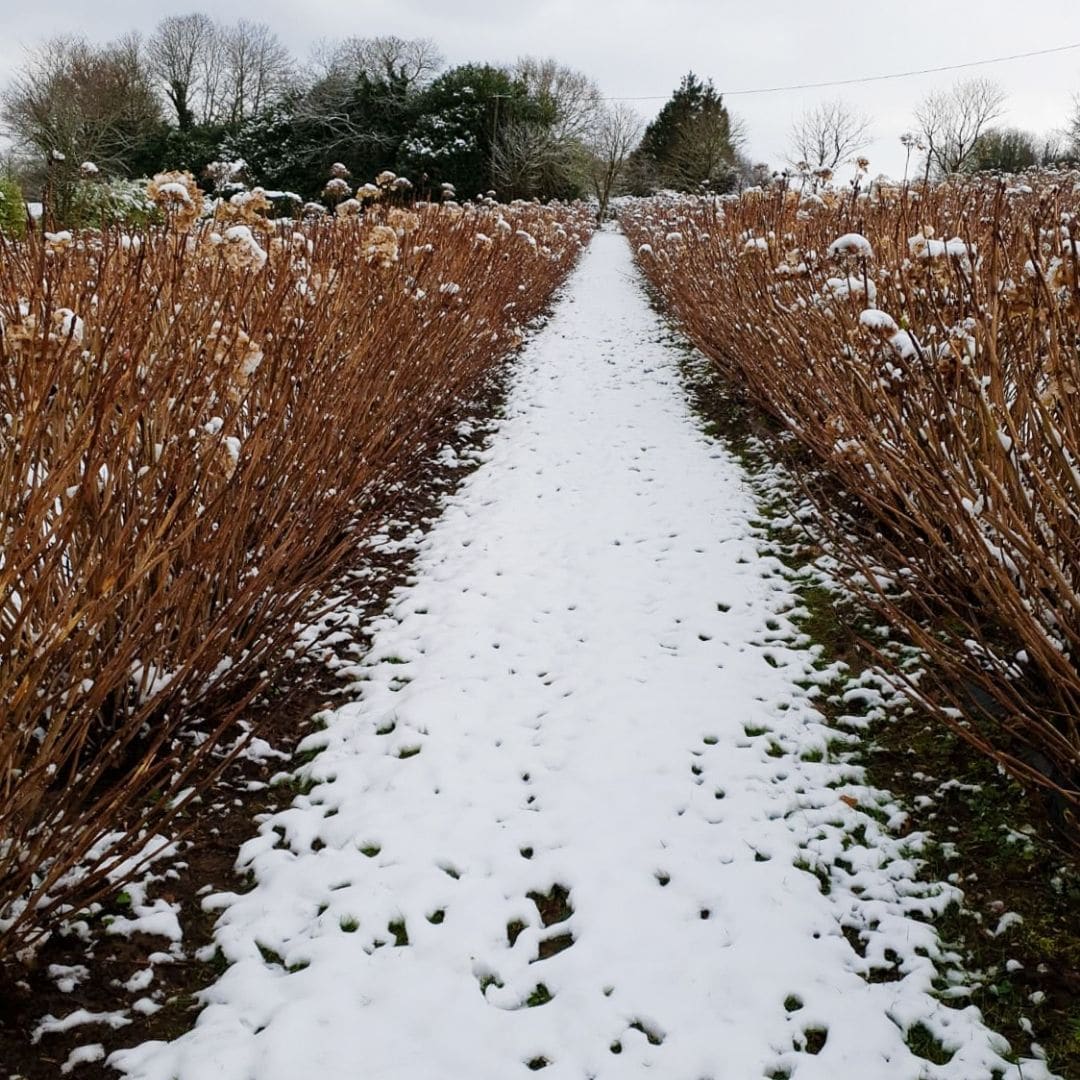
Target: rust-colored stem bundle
[193, 427]
[935, 379]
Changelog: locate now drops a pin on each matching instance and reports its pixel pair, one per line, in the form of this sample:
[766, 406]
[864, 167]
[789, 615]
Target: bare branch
[951, 122]
[828, 134]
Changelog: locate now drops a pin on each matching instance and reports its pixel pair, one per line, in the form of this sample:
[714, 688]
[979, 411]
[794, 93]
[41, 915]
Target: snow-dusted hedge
[924, 345]
[196, 419]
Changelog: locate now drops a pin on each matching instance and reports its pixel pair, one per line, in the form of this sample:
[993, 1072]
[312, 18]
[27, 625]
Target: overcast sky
[638, 48]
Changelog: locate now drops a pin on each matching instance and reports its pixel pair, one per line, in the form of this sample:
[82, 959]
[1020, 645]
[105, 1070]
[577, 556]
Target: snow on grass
[583, 814]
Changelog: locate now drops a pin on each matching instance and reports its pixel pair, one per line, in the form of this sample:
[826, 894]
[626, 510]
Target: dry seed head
[58, 242]
[234, 350]
[246, 207]
[381, 246]
[178, 196]
[241, 250]
[337, 188]
[403, 221]
[18, 335]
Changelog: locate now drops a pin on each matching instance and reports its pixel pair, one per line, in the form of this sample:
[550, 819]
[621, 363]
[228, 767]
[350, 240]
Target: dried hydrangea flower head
[339, 171]
[241, 250]
[368, 192]
[245, 207]
[177, 196]
[381, 246]
[385, 178]
[58, 242]
[337, 188]
[88, 169]
[403, 221]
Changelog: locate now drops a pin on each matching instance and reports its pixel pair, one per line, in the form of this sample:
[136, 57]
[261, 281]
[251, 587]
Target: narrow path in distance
[562, 826]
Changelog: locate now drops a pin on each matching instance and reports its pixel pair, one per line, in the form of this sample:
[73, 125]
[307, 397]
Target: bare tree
[185, 56]
[1072, 130]
[616, 135]
[951, 121]
[546, 152]
[828, 134]
[409, 62]
[257, 68]
[394, 68]
[75, 102]
[528, 159]
[572, 100]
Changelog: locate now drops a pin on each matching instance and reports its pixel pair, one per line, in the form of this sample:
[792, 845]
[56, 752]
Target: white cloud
[642, 47]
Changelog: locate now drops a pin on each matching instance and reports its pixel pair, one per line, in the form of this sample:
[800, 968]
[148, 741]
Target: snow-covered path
[558, 826]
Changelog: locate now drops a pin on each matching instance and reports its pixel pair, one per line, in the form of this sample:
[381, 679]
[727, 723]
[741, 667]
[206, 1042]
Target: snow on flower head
[88, 169]
[246, 207]
[385, 178]
[66, 324]
[225, 173]
[852, 285]
[878, 322]
[851, 244]
[339, 171]
[349, 208]
[242, 251]
[56, 242]
[337, 188]
[178, 196]
[368, 192]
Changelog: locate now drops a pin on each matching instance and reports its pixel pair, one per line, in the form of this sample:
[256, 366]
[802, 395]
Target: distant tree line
[955, 131]
[197, 93]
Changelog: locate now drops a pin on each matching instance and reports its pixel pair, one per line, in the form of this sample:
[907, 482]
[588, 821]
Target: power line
[867, 78]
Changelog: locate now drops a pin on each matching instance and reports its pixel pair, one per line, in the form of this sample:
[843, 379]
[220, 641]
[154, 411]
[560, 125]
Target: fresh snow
[593, 684]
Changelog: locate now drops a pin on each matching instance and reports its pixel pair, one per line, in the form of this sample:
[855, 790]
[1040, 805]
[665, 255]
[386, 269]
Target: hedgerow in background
[98, 204]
